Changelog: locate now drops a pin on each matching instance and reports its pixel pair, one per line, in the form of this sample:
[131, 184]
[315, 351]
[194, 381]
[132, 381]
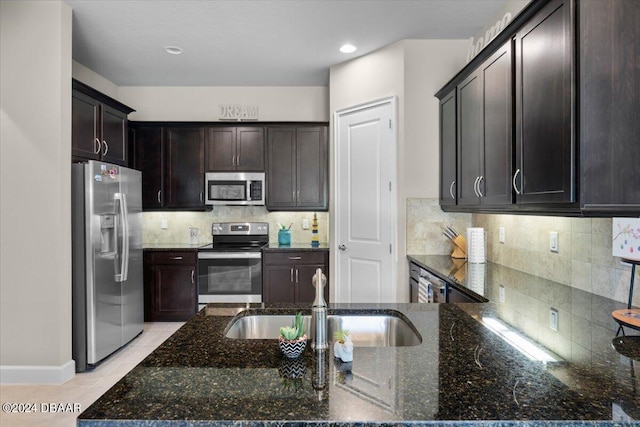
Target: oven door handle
[229, 255]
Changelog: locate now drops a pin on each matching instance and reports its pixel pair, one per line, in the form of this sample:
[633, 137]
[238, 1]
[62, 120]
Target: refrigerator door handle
[124, 219]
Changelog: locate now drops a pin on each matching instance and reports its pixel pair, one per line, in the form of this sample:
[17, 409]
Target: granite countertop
[171, 246]
[464, 370]
[296, 247]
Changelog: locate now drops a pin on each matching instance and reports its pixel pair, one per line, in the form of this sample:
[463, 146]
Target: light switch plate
[553, 319]
[501, 234]
[553, 241]
[501, 293]
[164, 224]
[305, 223]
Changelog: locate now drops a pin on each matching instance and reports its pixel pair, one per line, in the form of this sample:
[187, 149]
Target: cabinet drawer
[287, 258]
[164, 257]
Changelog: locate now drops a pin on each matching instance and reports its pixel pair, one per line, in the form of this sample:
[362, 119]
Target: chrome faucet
[319, 313]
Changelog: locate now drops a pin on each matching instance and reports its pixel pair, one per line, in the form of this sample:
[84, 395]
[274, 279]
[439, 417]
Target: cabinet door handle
[479, 190]
[238, 160]
[98, 146]
[175, 257]
[515, 177]
[193, 276]
[475, 186]
[295, 257]
[298, 195]
[201, 197]
[296, 275]
[451, 190]
[159, 195]
[105, 148]
[233, 160]
[292, 275]
[293, 195]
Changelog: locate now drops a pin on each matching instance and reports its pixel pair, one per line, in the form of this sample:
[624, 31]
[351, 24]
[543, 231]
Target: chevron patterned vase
[292, 348]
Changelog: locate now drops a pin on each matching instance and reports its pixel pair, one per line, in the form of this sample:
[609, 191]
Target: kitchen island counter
[466, 369]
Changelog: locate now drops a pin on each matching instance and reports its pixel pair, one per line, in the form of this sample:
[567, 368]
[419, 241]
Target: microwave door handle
[249, 190]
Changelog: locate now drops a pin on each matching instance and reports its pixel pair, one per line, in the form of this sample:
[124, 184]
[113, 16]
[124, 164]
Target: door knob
[342, 247]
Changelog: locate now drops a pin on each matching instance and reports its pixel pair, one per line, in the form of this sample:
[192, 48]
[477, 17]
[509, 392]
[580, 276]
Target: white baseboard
[37, 374]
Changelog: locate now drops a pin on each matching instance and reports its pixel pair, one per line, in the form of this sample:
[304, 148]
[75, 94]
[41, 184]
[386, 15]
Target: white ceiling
[254, 42]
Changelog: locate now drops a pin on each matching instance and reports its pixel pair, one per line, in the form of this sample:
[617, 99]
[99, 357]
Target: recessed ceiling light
[347, 48]
[173, 50]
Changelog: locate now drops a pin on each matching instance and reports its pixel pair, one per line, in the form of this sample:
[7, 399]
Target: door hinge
[389, 123]
[389, 185]
[390, 249]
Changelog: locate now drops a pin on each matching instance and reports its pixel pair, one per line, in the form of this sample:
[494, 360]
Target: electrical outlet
[164, 224]
[501, 236]
[501, 293]
[553, 319]
[305, 223]
[553, 241]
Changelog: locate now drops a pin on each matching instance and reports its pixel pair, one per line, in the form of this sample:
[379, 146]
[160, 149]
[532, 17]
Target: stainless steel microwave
[234, 188]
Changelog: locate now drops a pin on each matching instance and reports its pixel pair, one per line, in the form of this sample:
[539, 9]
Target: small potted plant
[343, 347]
[292, 338]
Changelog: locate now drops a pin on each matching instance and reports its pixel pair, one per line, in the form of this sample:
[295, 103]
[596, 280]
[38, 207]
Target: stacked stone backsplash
[583, 260]
[179, 223]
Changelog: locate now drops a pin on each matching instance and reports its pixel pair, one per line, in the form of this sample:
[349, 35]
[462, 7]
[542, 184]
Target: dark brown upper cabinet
[235, 149]
[485, 132]
[297, 168]
[184, 168]
[545, 146]
[172, 163]
[448, 141]
[148, 157]
[573, 105]
[98, 126]
[609, 93]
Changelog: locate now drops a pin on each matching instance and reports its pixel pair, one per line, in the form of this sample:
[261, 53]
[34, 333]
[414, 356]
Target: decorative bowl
[292, 348]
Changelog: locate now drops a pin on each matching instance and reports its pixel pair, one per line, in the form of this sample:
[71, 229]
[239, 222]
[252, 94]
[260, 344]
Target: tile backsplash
[425, 221]
[179, 223]
[583, 260]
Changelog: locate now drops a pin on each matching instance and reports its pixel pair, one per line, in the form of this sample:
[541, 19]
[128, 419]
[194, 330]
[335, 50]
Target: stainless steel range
[230, 269]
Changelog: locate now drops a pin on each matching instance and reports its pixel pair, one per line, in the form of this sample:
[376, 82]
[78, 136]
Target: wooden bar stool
[629, 317]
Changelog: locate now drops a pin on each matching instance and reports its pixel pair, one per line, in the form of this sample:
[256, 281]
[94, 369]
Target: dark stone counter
[296, 247]
[171, 246]
[496, 364]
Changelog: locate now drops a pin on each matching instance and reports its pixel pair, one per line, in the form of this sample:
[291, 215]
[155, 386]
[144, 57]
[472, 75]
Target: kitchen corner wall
[425, 221]
[583, 260]
[178, 224]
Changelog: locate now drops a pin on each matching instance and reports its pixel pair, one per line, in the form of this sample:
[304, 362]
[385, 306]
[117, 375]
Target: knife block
[459, 248]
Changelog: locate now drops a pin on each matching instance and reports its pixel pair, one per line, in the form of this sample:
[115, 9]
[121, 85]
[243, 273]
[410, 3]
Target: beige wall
[429, 65]
[94, 80]
[411, 70]
[35, 191]
[297, 104]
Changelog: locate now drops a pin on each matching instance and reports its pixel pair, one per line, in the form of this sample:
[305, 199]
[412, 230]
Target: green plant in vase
[292, 338]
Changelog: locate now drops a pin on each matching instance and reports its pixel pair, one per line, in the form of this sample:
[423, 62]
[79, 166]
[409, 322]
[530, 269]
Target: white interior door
[365, 203]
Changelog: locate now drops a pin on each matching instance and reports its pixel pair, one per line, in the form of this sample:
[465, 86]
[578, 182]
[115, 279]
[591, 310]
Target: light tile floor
[84, 388]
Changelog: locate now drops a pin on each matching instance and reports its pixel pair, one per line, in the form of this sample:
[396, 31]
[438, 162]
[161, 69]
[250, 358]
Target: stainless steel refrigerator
[108, 304]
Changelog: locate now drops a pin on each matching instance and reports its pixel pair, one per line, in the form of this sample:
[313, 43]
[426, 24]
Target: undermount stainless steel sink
[367, 330]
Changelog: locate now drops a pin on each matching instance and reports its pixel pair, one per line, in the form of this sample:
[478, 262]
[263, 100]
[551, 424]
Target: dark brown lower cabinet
[287, 275]
[170, 285]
